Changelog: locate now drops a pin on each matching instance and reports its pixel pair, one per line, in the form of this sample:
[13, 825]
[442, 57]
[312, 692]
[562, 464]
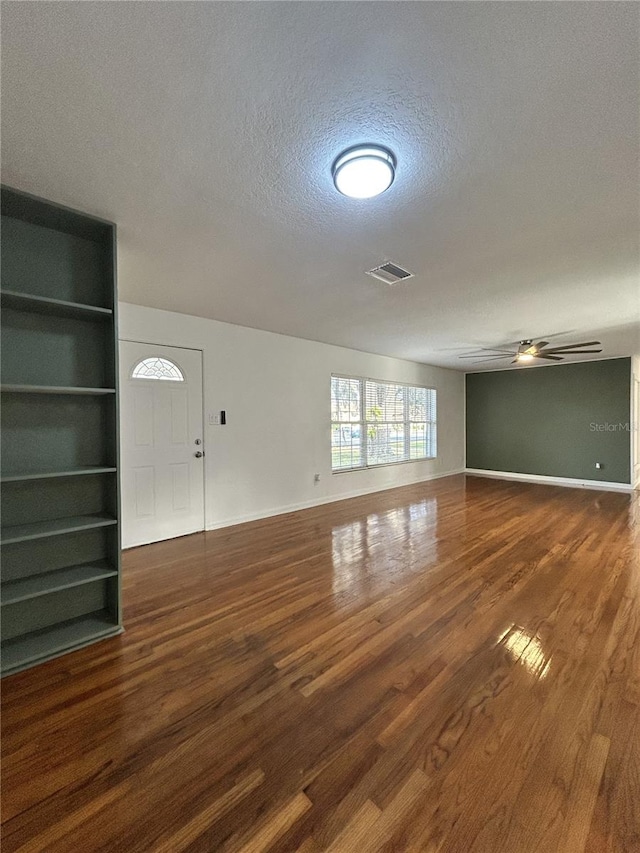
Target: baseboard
[601, 485]
[283, 510]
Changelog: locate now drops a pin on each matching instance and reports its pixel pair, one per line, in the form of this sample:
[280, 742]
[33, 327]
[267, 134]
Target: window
[379, 423]
[157, 368]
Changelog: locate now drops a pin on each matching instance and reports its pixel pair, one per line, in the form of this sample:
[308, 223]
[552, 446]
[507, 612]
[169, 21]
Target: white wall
[275, 390]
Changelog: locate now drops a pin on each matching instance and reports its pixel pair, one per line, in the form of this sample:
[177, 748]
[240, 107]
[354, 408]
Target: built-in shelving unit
[44, 475]
[55, 527]
[53, 307]
[60, 489]
[65, 636]
[35, 585]
[55, 389]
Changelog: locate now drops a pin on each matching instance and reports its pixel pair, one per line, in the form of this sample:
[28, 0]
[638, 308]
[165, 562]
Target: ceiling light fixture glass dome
[364, 171]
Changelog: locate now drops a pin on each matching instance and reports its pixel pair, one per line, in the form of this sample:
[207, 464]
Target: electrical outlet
[598, 465]
[316, 478]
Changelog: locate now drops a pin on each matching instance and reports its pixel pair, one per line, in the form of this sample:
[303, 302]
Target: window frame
[363, 423]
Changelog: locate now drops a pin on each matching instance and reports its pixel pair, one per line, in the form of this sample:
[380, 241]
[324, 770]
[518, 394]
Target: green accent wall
[554, 421]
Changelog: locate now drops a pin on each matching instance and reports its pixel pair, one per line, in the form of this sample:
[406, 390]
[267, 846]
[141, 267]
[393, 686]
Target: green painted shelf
[53, 307]
[55, 527]
[49, 642]
[46, 582]
[53, 389]
[61, 575]
[45, 475]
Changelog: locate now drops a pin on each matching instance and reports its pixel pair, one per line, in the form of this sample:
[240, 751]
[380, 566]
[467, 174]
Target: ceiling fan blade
[541, 344]
[485, 357]
[574, 351]
[575, 346]
[482, 351]
[549, 357]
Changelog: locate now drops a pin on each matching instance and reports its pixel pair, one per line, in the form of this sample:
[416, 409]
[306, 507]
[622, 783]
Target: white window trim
[363, 423]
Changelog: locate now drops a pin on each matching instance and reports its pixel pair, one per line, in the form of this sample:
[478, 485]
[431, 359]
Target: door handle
[198, 454]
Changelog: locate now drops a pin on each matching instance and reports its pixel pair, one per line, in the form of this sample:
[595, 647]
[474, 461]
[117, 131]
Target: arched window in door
[156, 367]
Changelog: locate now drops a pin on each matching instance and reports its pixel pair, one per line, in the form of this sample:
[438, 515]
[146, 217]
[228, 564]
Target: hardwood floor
[452, 666]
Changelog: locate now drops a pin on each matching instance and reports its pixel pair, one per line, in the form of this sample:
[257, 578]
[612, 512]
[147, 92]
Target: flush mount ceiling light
[364, 171]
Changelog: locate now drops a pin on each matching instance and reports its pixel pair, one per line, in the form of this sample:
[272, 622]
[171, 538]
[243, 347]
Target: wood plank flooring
[452, 666]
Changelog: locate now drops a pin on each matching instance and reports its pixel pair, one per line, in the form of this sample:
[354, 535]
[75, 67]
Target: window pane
[417, 400]
[397, 422]
[157, 368]
[385, 443]
[346, 446]
[418, 441]
[384, 401]
[345, 399]
[431, 407]
[432, 444]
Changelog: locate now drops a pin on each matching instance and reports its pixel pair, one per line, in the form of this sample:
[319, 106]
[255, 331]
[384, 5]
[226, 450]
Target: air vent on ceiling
[390, 273]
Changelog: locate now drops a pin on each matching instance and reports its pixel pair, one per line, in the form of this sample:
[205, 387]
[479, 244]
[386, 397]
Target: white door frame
[204, 443]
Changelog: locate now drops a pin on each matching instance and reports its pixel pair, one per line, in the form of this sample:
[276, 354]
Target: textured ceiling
[207, 132]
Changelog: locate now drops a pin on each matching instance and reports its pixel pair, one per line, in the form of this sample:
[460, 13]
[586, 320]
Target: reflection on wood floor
[452, 666]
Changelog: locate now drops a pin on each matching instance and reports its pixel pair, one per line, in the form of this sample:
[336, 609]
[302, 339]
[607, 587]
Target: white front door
[161, 442]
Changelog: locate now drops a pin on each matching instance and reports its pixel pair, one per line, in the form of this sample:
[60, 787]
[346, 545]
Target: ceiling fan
[528, 350]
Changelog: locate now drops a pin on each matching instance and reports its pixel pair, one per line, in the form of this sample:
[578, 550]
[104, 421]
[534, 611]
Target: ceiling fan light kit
[528, 350]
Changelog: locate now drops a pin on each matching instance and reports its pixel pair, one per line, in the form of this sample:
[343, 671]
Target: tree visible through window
[157, 368]
[378, 423]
